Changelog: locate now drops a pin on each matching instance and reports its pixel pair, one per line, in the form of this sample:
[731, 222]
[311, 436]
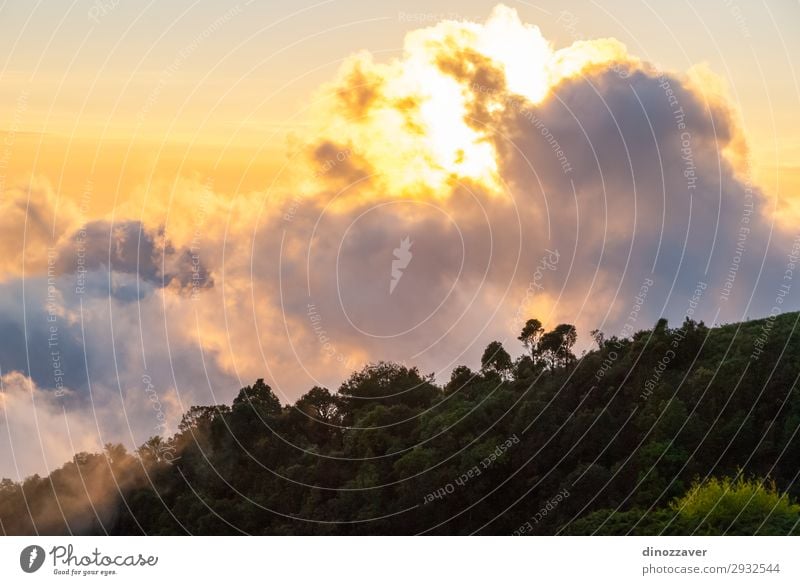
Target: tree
[459, 379]
[260, 397]
[116, 453]
[198, 418]
[737, 506]
[319, 404]
[150, 451]
[496, 359]
[316, 418]
[387, 384]
[556, 345]
[530, 336]
[599, 337]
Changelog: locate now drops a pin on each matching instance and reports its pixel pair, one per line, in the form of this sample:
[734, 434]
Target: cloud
[128, 248]
[490, 150]
[33, 220]
[578, 184]
[38, 432]
[41, 435]
[125, 371]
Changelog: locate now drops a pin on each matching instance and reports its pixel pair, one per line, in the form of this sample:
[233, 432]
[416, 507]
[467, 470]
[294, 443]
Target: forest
[673, 430]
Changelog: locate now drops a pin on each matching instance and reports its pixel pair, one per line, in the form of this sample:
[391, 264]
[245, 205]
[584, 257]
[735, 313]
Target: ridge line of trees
[712, 448]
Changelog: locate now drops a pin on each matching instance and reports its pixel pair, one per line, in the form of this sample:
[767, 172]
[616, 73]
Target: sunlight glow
[410, 120]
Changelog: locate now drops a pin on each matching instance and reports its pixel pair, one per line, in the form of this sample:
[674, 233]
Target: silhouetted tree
[260, 397]
[531, 335]
[556, 345]
[496, 359]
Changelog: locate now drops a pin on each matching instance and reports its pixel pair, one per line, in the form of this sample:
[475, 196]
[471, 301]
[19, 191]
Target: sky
[194, 195]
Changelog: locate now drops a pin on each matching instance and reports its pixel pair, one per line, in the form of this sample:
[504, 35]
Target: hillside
[675, 430]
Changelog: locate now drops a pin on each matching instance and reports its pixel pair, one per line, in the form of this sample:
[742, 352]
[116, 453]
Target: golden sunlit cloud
[409, 120]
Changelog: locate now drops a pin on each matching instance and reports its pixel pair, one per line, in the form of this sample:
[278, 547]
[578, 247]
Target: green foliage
[737, 506]
[730, 506]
